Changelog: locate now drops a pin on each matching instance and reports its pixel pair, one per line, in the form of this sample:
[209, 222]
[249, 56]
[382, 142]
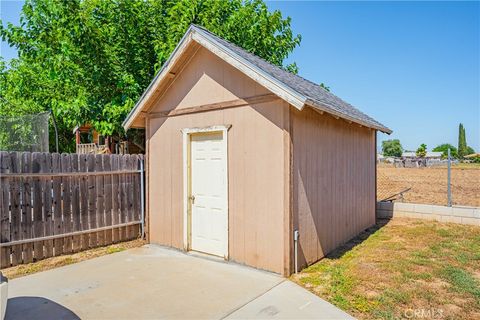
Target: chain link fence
[429, 185]
[24, 133]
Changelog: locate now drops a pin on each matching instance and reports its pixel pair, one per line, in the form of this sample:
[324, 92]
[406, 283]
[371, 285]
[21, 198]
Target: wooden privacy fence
[53, 204]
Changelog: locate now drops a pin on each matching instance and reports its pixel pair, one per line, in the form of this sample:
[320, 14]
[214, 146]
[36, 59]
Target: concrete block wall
[462, 215]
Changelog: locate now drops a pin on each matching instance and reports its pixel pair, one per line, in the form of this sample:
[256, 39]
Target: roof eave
[326, 109]
[286, 93]
[133, 114]
[275, 86]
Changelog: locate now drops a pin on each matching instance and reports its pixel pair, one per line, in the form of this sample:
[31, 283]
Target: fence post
[449, 188]
[142, 198]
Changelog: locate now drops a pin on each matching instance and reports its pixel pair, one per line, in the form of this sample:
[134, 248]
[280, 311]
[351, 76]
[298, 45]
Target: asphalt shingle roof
[315, 94]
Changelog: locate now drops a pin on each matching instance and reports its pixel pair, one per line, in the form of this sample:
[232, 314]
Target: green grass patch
[461, 280]
[405, 265]
[397, 296]
[443, 233]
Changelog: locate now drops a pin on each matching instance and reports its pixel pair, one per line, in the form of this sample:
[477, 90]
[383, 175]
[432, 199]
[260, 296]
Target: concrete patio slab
[152, 282]
[288, 301]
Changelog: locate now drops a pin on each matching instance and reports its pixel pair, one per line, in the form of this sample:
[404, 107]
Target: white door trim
[186, 132]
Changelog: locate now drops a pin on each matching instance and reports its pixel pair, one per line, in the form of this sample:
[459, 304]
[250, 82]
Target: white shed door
[209, 216]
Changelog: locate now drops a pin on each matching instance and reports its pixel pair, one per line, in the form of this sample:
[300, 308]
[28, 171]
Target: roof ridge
[258, 57]
[317, 86]
[298, 90]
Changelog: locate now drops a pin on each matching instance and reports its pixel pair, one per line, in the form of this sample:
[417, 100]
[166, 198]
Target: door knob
[192, 198]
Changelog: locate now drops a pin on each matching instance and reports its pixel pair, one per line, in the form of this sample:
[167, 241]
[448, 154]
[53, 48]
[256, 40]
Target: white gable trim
[250, 70]
[270, 83]
[164, 73]
[329, 109]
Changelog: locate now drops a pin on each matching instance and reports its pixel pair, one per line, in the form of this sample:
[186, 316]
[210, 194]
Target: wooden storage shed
[241, 153]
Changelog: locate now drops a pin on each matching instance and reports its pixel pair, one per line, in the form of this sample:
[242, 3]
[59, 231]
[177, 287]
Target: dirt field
[429, 185]
[403, 269]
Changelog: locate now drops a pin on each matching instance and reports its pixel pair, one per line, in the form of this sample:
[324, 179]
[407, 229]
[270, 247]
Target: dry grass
[429, 185]
[50, 263]
[403, 267]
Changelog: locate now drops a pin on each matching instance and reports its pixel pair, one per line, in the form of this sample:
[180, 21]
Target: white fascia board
[179, 49]
[325, 108]
[278, 88]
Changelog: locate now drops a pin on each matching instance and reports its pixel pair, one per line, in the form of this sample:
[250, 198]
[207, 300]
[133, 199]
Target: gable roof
[294, 89]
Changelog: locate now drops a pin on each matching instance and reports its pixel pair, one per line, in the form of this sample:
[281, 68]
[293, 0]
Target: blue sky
[414, 66]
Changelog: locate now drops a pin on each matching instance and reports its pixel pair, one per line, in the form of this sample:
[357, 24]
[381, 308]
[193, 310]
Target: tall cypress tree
[462, 142]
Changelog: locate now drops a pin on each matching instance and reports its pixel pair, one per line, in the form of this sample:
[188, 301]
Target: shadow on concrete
[38, 308]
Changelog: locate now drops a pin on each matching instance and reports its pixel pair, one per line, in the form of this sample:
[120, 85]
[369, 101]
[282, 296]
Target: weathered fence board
[57, 205]
[99, 209]
[83, 200]
[107, 196]
[130, 197]
[38, 228]
[136, 190]
[15, 212]
[5, 211]
[123, 199]
[75, 195]
[47, 205]
[115, 199]
[27, 218]
[54, 204]
[67, 203]
[92, 203]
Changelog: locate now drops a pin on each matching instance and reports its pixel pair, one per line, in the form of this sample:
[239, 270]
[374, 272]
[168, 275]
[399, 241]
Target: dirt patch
[429, 185]
[50, 263]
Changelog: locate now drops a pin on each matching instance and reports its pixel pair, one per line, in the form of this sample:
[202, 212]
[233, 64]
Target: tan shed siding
[333, 181]
[207, 79]
[256, 161]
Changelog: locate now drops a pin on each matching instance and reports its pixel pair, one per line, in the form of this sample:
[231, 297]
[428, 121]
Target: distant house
[382, 159]
[410, 159]
[429, 155]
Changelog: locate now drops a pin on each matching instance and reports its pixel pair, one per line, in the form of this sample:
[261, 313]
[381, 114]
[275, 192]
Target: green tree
[469, 150]
[421, 151]
[90, 60]
[475, 159]
[462, 142]
[392, 148]
[444, 148]
[324, 86]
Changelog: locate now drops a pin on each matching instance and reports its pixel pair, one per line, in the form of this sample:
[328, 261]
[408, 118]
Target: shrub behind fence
[53, 204]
